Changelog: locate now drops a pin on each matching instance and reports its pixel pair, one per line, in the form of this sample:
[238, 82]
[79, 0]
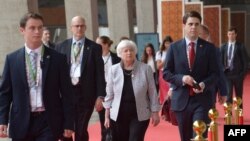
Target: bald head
[76, 19]
[78, 27]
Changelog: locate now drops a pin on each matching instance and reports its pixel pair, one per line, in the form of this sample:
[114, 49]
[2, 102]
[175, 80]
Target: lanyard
[106, 60]
[77, 60]
[32, 71]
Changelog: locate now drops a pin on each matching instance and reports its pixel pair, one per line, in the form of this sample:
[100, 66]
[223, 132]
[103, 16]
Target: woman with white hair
[131, 96]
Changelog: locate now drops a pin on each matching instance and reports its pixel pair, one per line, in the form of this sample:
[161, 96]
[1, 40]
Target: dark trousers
[83, 114]
[102, 120]
[130, 130]
[38, 129]
[194, 111]
[84, 109]
[237, 84]
[127, 127]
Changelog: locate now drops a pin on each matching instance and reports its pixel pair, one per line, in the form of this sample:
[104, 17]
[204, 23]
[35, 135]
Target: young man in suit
[84, 58]
[191, 69]
[234, 59]
[36, 98]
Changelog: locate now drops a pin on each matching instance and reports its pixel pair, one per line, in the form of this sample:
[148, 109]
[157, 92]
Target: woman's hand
[107, 118]
[107, 122]
[159, 64]
[155, 118]
[170, 91]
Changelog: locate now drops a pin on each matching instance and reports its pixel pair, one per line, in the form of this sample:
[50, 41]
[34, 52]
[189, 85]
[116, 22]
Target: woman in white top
[160, 60]
[148, 57]
[109, 59]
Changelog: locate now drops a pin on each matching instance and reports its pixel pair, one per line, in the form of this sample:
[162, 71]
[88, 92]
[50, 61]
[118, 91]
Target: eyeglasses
[78, 26]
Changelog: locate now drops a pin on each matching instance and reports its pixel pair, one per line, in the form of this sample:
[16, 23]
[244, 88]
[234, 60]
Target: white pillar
[146, 16]
[120, 19]
[11, 12]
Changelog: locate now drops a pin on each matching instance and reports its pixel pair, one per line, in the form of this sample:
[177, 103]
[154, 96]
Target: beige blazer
[144, 90]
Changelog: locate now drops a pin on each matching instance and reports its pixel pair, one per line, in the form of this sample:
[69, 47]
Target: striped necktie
[33, 68]
[77, 49]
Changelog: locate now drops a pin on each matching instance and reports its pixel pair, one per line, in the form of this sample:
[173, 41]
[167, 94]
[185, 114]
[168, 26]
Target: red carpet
[167, 132]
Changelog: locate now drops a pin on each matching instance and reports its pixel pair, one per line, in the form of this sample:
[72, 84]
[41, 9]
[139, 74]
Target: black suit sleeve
[223, 57]
[99, 71]
[244, 60]
[67, 95]
[5, 93]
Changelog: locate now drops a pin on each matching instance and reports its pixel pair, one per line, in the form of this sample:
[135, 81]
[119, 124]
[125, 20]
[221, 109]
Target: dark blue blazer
[92, 81]
[221, 83]
[204, 70]
[56, 92]
[240, 62]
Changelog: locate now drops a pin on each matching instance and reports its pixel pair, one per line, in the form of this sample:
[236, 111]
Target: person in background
[122, 38]
[36, 100]
[234, 59]
[131, 96]
[109, 59]
[191, 70]
[148, 57]
[160, 60]
[46, 38]
[204, 33]
[220, 85]
[87, 75]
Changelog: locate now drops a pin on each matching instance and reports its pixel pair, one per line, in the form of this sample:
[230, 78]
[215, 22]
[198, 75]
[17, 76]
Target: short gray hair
[124, 44]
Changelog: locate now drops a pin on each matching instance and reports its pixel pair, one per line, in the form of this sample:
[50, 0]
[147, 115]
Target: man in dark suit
[234, 59]
[35, 94]
[84, 58]
[46, 38]
[191, 69]
[220, 86]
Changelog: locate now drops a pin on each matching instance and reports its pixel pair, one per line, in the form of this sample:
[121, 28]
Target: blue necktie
[230, 52]
[230, 57]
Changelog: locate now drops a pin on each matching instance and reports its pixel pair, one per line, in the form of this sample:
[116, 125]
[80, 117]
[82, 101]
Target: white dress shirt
[35, 91]
[75, 69]
[107, 64]
[228, 50]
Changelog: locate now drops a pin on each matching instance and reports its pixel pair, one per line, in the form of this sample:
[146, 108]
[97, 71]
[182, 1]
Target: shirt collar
[37, 50]
[82, 40]
[188, 41]
[107, 55]
[46, 43]
[233, 43]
